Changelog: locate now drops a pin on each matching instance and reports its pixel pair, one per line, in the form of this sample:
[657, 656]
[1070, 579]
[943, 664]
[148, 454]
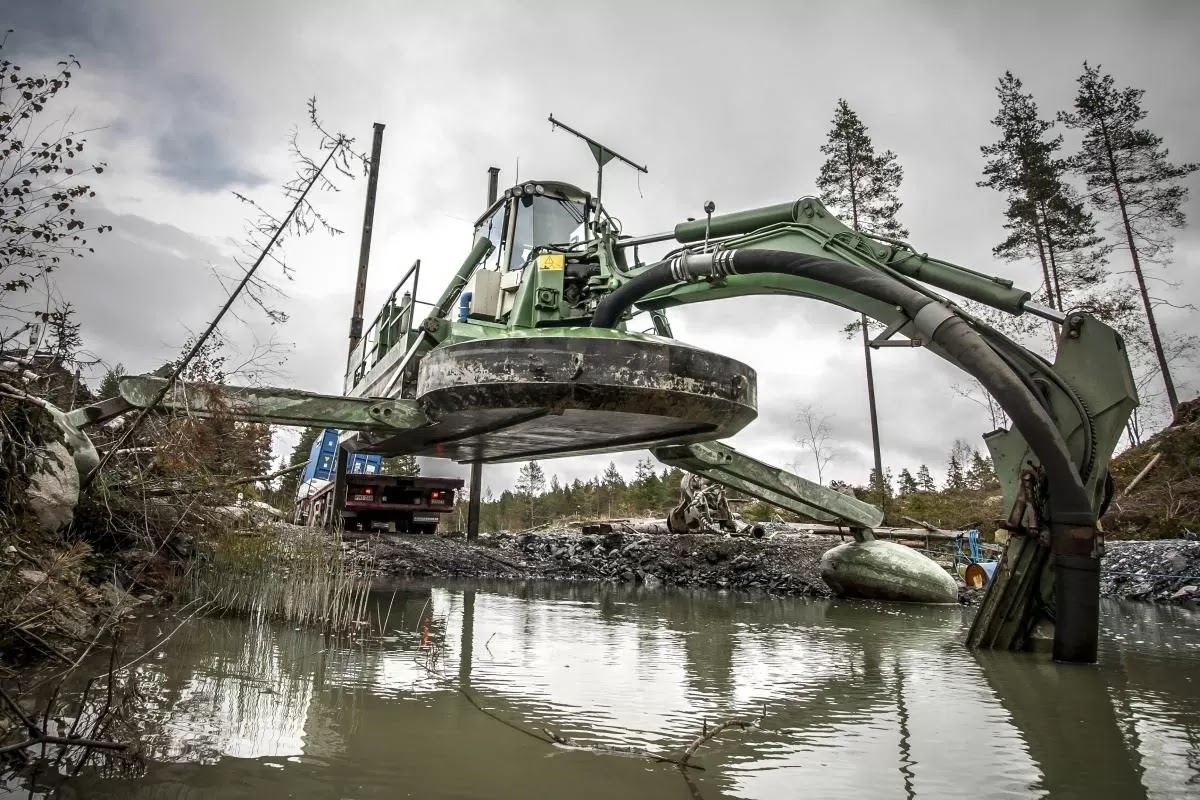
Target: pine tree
[531, 480]
[879, 490]
[861, 185]
[908, 484]
[611, 487]
[857, 182]
[980, 475]
[669, 488]
[109, 383]
[404, 466]
[552, 504]
[1046, 218]
[63, 337]
[954, 474]
[1130, 180]
[925, 480]
[646, 487]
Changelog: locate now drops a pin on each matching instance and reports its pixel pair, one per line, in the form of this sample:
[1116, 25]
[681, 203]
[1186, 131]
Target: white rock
[53, 487]
[32, 576]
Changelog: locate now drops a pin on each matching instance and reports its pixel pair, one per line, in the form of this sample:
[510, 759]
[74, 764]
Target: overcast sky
[728, 102]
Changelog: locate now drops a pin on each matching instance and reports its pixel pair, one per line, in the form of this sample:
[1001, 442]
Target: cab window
[493, 229]
[541, 221]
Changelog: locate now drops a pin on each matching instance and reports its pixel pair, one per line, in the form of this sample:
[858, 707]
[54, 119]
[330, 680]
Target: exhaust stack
[493, 185]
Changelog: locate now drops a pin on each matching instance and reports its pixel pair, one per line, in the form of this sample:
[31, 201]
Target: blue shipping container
[361, 463]
[322, 459]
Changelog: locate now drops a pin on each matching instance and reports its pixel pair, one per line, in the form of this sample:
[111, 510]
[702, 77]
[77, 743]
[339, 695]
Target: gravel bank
[787, 563]
[1166, 570]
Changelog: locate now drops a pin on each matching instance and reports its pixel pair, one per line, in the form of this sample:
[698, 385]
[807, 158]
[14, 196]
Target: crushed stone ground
[1166, 570]
[785, 563]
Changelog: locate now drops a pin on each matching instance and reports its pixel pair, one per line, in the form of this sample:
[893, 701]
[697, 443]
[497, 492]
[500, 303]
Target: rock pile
[784, 565]
[788, 563]
[1163, 570]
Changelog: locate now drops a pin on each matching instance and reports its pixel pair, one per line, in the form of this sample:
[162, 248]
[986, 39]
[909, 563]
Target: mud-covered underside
[518, 398]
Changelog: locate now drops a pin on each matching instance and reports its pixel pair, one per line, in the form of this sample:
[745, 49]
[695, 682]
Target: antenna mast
[601, 153]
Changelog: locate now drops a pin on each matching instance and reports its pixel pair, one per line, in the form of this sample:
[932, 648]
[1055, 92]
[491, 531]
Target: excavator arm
[1068, 415]
[1088, 390]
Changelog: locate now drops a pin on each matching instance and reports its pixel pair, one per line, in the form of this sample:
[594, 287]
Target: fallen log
[879, 533]
[1138, 478]
[658, 528]
[605, 528]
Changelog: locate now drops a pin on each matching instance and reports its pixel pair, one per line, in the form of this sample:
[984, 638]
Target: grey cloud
[60, 27]
[918, 417]
[147, 287]
[189, 118]
[199, 160]
[198, 146]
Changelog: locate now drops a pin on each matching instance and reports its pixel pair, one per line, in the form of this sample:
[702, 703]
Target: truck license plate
[425, 517]
[364, 497]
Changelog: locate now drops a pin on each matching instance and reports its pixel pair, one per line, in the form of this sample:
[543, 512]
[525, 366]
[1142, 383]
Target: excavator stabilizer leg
[724, 465]
[268, 405]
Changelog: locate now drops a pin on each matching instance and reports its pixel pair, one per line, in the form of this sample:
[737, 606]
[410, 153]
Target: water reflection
[858, 700]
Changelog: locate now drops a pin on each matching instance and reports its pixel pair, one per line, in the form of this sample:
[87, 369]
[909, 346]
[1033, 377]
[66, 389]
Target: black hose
[962, 344]
[745, 262]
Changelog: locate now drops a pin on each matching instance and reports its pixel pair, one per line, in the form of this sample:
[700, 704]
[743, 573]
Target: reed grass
[300, 576]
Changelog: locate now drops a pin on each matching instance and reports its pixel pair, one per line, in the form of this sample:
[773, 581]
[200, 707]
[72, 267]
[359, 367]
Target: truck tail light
[365, 494]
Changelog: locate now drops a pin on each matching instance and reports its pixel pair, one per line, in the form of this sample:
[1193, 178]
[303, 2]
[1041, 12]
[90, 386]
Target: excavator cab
[530, 215]
[526, 217]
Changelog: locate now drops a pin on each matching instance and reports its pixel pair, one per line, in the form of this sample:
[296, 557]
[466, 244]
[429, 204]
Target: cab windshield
[541, 221]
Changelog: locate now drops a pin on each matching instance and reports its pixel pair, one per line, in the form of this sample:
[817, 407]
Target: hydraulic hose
[1073, 520]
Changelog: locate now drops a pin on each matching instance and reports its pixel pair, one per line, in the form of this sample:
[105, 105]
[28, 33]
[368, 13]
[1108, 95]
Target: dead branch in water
[36, 734]
[203, 607]
[717, 730]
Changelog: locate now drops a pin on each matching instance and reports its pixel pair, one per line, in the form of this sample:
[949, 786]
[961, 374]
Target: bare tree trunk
[1037, 231]
[1172, 397]
[1050, 253]
[874, 417]
[867, 354]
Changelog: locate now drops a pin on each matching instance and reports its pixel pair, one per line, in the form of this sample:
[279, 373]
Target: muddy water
[855, 700]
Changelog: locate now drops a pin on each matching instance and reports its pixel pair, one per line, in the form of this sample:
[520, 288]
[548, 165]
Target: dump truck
[373, 501]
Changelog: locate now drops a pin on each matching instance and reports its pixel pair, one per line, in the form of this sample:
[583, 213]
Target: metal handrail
[368, 351]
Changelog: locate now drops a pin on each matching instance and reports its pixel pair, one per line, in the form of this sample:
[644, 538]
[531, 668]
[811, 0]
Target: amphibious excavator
[533, 352]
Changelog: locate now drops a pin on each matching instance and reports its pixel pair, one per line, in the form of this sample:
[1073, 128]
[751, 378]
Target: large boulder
[879, 570]
[53, 489]
[64, 454]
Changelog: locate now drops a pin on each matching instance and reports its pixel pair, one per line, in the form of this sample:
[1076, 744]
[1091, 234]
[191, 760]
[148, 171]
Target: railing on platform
[392, 328]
